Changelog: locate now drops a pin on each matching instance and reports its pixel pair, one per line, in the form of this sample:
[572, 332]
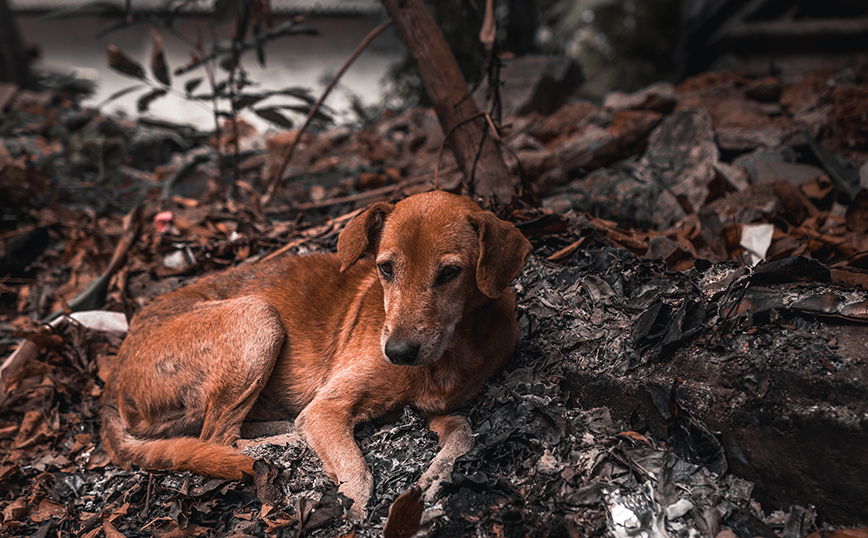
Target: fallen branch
[368, 197]
[275, 179]
[313, 233]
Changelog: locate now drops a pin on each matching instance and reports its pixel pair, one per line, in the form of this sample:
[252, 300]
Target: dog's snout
[401, 352]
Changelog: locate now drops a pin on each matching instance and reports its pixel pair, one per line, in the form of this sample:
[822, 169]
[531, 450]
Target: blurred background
[616, 44]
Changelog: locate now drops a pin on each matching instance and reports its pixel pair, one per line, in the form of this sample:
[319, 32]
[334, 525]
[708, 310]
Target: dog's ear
[362, 234]
[502, 252]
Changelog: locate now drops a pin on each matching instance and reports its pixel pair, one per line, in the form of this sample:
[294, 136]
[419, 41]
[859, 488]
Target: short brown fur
[317, 337]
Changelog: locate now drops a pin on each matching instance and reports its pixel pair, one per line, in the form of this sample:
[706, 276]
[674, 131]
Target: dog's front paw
[439, 473]
[456, 439]
[360, 491]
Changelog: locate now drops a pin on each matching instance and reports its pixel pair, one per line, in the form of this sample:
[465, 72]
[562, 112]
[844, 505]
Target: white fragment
[678, 509]
[180, 259]
[756, 239]
[624, 517]
[102, 320]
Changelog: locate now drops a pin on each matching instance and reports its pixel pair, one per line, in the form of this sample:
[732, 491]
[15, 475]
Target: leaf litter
[663, 385]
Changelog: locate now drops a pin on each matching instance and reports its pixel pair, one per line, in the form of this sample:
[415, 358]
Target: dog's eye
[386, 269]
[448, 273]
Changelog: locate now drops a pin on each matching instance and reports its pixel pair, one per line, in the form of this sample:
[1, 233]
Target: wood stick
[276, 178]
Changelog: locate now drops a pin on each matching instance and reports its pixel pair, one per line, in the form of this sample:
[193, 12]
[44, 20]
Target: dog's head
[438, 256]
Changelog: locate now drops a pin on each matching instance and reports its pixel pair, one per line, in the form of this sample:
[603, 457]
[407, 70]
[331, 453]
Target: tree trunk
[493, 185]
[14, 62]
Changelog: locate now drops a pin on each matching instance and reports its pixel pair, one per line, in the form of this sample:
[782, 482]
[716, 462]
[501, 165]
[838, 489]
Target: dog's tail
[177, 453]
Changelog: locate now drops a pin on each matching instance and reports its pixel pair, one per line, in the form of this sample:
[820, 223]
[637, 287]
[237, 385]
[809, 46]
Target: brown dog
[334, 339]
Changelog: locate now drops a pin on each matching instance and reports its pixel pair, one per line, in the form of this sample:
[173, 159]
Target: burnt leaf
[271, 114]
[319, 114]
[122, 63]
[404, 514]
[158, 59]
[146, 100]
[265, 474]
[120, 93]
[191, 85]
[245, 101]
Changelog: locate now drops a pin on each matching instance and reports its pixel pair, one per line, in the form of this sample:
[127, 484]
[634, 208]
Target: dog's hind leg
[252, 338]
[188, 378]
[454, 434]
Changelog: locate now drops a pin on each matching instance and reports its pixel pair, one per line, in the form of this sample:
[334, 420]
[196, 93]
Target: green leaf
[271, 114]
[99, 8]
[191, 85]
[120, 93]
[146, 100]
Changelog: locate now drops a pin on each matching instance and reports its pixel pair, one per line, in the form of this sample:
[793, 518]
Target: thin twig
[236, 59]
[313, 233]
[275, 179]
[443, 145]
[148, 493]
[209, 72]
[365, 196]
[470, 182]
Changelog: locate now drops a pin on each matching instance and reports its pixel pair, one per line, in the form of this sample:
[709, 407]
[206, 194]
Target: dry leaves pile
[719, 167]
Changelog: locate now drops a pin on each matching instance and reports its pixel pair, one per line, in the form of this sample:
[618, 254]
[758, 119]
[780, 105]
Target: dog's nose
[401, 352]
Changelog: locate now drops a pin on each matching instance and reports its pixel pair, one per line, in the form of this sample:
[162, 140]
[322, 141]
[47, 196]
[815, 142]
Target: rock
[684, 141]
[628, 131]
[577, 150]
[535, 83]
[747, 206]
[735, 176]
[150, 147]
